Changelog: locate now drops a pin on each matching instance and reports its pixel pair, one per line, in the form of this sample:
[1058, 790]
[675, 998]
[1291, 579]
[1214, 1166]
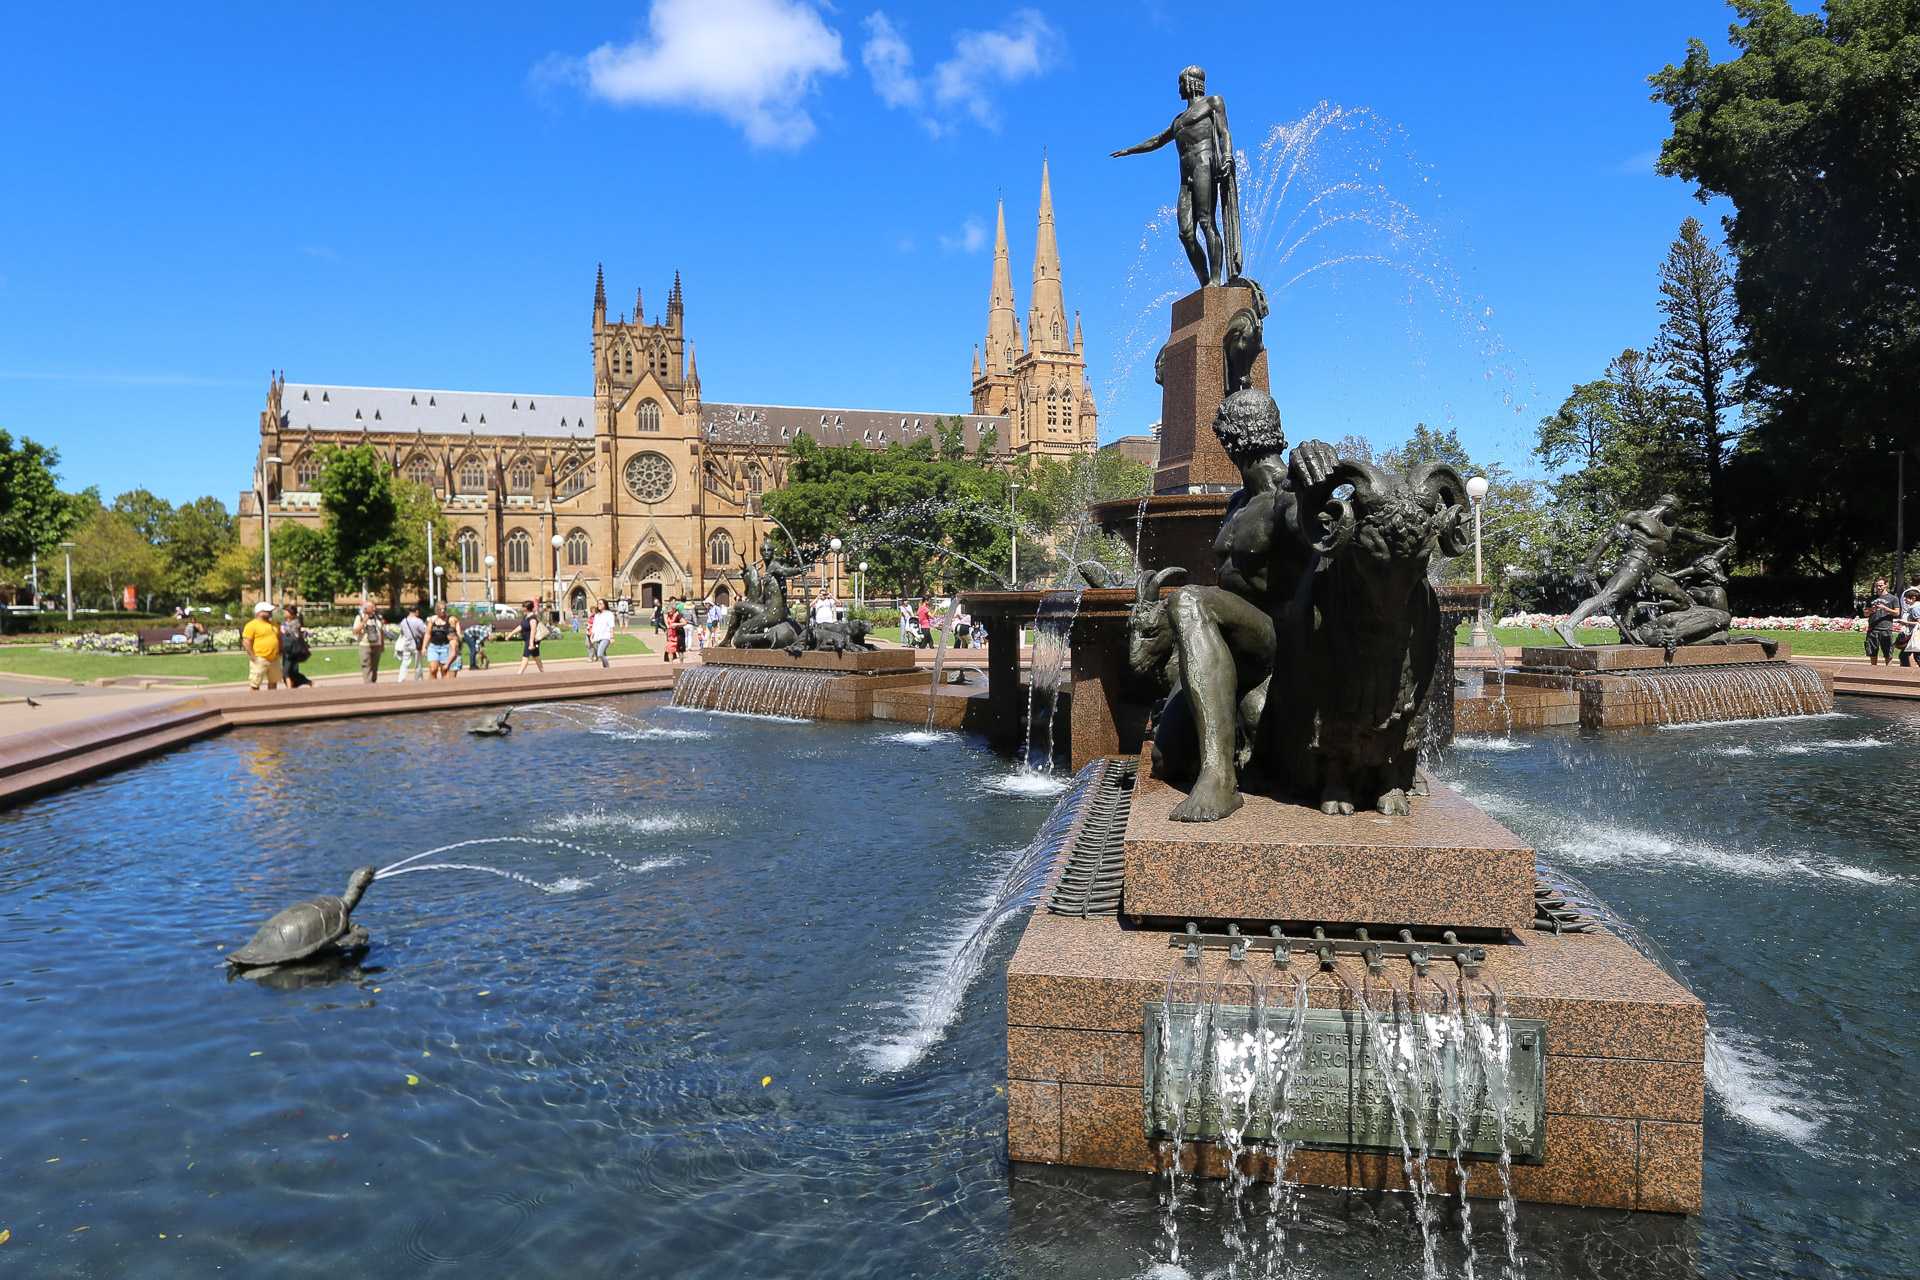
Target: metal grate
[1095, 871]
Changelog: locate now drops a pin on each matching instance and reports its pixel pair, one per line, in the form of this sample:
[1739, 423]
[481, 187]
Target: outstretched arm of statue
[1683, 534]
[1154, 143]
[1600, 549]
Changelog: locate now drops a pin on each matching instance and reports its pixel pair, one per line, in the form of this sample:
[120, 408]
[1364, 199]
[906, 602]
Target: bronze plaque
[1454, 1078]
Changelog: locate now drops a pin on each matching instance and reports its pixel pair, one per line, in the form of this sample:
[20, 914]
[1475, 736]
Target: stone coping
[1447, 864]
[812, 660]
[43, 760]
[1638, 657]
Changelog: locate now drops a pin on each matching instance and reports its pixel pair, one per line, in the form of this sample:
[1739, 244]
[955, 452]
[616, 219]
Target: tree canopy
[34, 514]
[1813, 133]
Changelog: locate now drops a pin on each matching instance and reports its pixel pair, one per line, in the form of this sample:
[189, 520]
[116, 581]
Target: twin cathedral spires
[1036, 379]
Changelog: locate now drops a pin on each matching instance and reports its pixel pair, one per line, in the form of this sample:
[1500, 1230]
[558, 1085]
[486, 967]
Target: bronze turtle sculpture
[308, 928]
[492, 725]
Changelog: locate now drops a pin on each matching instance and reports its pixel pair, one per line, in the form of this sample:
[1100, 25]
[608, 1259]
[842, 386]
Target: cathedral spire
[639, 312]
[1047, 321]
[600, 295]
[676, 306]
[1003, 337]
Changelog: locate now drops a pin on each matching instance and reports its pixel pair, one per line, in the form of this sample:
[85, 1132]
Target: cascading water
[944, 980]
[1047, 666]
[753, 691]
[1738, 692]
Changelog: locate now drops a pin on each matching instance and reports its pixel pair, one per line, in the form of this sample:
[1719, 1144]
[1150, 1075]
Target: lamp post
[833, 546]
[1477, 490]
[860, 587]
[558, 542]
[1013, 535]
[490, 563]
[1900, 522]
[438, 589]
[266, 533]
[68, 547]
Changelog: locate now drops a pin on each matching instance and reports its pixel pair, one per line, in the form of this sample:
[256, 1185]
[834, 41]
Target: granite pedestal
[1622, 685]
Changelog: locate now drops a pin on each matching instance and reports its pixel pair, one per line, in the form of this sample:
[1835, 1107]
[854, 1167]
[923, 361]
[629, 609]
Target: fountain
[1285, 952]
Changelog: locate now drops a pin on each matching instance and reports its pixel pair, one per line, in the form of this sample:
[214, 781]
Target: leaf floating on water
[6, 1235]
[426, 1053]
[765, 1081]
[486, 993]
[412, 1079]
[256, 1053]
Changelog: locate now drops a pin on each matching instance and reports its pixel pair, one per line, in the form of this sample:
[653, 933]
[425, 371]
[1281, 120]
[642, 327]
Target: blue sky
[418, 195]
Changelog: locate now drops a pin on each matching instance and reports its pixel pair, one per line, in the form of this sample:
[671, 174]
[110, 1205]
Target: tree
[110, 554]
[147, 513]
[235, 574]
[1813, 132]
[196, 536]
[415, 510]
[34, 514]
[357, 495]
[303, 562]
[1700, 352]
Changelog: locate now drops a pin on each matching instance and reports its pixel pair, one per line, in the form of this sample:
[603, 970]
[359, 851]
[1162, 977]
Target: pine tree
[1699, 350]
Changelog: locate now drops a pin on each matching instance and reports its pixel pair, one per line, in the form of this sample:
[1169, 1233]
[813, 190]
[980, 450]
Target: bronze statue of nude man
[1206, 178]
[1224, 634]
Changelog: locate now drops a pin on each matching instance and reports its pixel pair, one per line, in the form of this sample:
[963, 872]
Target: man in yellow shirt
[261, 641]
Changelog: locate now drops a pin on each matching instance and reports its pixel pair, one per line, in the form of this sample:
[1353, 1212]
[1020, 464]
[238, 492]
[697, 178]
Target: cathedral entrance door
[649, 594]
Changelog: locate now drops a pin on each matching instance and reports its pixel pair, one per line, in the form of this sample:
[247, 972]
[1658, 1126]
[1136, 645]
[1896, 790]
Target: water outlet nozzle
[1372, 955]
[1422, 960]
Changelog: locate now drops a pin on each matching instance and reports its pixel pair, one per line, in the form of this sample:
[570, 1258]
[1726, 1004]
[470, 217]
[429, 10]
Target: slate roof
[776, 424]
[347, 409]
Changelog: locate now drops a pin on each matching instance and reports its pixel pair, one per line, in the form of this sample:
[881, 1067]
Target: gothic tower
[1040, 381]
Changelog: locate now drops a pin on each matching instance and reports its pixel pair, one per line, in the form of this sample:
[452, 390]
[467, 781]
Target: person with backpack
[294, 648]
[532, 632]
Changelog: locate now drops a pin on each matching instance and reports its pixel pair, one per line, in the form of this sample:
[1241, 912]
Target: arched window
[419, 469]
[710, 479]
[472, 474]
[467, 543]
[306, 474]
[720, 549]
[629, 361]
[648, 417]
[574, 482]
[520, 475]
[519, 553]
[1053, 408]
[577, 549]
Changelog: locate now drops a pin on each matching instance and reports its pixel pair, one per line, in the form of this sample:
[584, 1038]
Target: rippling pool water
[721, 1063]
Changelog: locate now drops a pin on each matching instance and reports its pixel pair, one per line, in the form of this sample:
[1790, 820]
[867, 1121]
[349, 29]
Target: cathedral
[643, 490]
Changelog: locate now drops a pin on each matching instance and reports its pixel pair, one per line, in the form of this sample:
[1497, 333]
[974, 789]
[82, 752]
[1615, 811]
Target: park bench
[145, 636]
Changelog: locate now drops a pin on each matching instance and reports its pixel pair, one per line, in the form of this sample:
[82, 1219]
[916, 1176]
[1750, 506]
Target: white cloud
[1024, 48]
[982, 61]
[889, 60]
[749, 61]
[972, 237]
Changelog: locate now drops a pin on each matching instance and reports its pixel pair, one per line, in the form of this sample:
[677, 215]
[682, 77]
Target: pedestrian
[716, 614]
[532, 632]
[906, 623]
[411, 645]
[824, 608]
[439, 643]
[925, 619]
[1881, 612]
[294, 648]
[261, 641]
[673, 644]
[1910, 627]
[600, 633]
[659, 618]
[963, 630]
[372, 634]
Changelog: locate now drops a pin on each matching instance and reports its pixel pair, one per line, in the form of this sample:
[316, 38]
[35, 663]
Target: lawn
[230, 665]
[1813, 644]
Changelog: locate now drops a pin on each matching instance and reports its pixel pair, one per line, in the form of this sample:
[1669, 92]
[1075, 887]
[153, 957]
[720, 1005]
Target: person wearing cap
[1909, 627]
[261, 641]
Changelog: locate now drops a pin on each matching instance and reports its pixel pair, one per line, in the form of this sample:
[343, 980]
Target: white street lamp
[266, 534]
[1477, 490]
[1013, 535]
[833, 547]
[68, 546]
[558, 542]
[860, 588]
[438, 590]
[490, 563]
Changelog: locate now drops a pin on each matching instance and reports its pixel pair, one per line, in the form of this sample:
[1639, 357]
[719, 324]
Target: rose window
[649, 477]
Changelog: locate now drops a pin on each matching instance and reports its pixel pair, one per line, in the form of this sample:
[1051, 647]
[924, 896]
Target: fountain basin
[861, 660]
[1622, 685]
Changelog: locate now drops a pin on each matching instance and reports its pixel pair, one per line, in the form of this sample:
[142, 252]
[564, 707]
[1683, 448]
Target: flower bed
[225, 638]
[1810, 622]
